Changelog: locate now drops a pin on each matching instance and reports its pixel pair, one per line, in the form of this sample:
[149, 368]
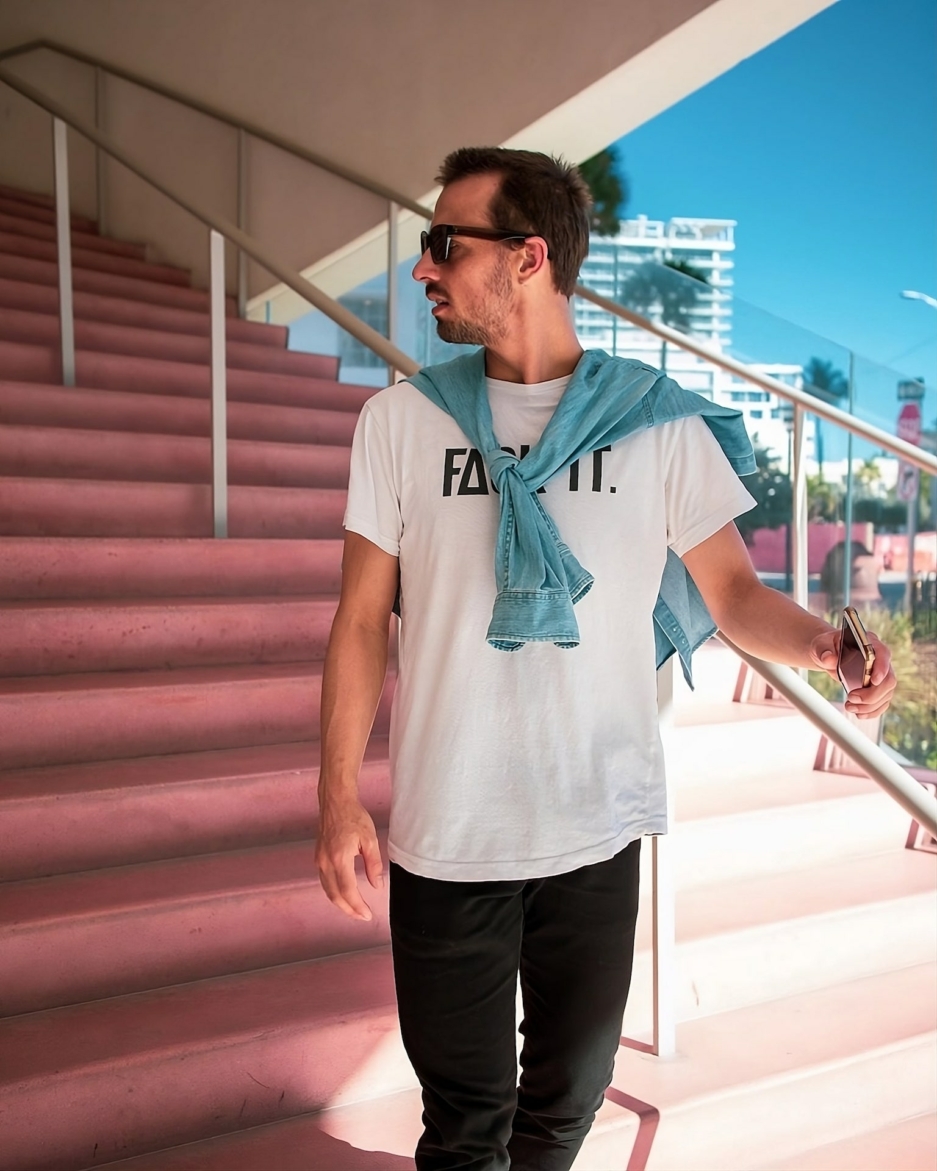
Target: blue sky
[824, 147]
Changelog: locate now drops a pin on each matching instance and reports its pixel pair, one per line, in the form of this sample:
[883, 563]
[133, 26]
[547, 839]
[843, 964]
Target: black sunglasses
[437, 238]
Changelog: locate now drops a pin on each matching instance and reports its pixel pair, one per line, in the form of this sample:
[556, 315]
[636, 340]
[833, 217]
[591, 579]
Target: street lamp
[911, 295]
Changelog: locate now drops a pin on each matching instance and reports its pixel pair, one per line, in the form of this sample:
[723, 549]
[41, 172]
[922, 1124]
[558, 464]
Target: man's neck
[534, 355]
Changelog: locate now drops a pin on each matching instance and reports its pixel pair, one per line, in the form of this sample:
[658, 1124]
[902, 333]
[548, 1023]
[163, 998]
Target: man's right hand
[345, 831]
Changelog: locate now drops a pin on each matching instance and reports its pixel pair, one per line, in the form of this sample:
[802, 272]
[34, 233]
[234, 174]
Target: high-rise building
[614, 268]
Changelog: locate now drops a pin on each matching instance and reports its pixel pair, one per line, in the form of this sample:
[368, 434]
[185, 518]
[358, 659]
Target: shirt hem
[370, 533]
[520, 868]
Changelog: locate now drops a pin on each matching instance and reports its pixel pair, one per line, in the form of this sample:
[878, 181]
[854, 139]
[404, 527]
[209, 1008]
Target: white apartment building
[708, 245]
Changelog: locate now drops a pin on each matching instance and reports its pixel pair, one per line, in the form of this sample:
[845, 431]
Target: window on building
[372, 309]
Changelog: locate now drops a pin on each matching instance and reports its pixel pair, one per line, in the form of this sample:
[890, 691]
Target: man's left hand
[864, 702]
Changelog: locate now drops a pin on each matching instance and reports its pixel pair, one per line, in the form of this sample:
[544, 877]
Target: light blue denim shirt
[538, 578]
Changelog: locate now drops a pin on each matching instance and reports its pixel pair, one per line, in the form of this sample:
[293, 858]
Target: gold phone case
[862, 640]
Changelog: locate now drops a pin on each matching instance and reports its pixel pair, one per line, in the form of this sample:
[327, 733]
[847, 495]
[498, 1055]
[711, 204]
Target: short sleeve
[703, 492]
[373, 507]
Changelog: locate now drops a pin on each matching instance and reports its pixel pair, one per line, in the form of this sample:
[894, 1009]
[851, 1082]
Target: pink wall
[767, 546]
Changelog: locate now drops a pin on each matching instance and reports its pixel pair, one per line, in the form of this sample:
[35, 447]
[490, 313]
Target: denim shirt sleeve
[681, 621]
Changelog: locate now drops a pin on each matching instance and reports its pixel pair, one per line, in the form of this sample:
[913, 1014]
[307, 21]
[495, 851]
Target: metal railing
[889, 775]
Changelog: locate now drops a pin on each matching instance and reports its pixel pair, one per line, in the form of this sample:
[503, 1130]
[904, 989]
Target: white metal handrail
[895, 780]
[800, 398]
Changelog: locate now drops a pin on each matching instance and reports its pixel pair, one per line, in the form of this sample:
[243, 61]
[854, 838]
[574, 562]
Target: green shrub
[910, 724]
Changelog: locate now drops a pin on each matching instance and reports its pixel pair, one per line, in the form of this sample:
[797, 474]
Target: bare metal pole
[799, 527]
[219, 422]
[63, 229]
[847, 518]
[393, 215]
[100, 158]
[242, 222]
[663, 898]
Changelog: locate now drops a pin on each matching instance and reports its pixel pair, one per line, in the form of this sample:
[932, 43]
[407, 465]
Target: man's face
[473, 291]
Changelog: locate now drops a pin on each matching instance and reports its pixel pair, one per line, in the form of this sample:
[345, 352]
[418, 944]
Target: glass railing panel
[848, 479]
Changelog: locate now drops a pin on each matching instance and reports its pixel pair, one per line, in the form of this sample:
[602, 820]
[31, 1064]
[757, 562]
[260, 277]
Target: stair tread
[96, 306]
[155, 886]
[102, 567]
[826, 890]
[910, 1145]
[716, 1058]
[49, 782]
[94, 260]
[17, 224]
[32, 327]
[175, 677]
[141, 1025]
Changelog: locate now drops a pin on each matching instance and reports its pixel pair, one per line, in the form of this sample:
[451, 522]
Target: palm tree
[609, 187]
[823, 380]
[671, 290]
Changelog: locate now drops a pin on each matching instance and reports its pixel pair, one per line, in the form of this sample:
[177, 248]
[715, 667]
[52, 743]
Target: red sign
[909, 422]
[909, 429]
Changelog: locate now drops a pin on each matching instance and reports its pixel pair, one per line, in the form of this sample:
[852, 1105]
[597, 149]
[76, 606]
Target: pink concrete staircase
[176, 994]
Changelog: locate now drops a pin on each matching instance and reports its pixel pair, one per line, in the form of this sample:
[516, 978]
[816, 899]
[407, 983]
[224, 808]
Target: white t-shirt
[517, 765]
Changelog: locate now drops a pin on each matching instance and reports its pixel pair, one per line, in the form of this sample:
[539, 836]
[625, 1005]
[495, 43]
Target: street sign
[909, 429]
[910, 388]
[909, 479]
[909, 422]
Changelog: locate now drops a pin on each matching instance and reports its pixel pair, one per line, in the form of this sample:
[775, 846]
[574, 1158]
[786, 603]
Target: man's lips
[439, 302]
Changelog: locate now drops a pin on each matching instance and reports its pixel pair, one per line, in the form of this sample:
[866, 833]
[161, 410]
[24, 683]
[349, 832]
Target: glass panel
[848, 478]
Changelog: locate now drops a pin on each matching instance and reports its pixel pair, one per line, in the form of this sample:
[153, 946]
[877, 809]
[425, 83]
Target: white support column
[219, 420]
[63, 228]
[663, 895]
[242, 222]
[393, 216]
[799, 504]
[100, 158]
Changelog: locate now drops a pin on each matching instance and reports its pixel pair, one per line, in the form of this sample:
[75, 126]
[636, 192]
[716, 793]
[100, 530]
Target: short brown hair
[540, 195]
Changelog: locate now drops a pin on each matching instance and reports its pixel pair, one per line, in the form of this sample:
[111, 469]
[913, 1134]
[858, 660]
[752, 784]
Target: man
[522, 782]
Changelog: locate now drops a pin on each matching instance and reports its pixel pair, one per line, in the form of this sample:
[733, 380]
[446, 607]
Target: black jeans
[457, 949]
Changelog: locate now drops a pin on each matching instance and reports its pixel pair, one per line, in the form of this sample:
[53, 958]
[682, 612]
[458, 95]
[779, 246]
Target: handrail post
[63, 231]
[799, 527]
[219, 422]
[847, 518]
[393, 216]
[663, 896]
[100, 158]
[242, 221]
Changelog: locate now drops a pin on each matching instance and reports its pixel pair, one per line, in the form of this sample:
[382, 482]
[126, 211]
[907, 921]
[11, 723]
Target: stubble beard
[491, 321]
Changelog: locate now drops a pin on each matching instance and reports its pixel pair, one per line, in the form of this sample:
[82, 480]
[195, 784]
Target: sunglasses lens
[424, 242]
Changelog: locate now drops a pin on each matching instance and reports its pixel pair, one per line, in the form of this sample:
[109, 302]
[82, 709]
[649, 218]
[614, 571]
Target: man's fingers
[373, 863]
[342, 892]
[348, 888]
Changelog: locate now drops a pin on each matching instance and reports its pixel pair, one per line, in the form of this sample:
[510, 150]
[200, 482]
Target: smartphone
[856, 656]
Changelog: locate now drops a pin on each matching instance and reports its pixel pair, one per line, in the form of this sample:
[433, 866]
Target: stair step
[62, 567]
[71, 718]
[18, 224]
[56, 637]
[857, 1057]
[909, 1145]
[14, 244]
[40, 209]
[64, 818]
[126, 372]
[37, 404]
[45, 272]
[37, 298]
[166, 1066]
[134, 928]
[72, 453]
[114, 508]
[789, 932]
[42, 329]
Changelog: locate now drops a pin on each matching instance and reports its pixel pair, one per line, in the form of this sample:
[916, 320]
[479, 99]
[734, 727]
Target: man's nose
[425, 268]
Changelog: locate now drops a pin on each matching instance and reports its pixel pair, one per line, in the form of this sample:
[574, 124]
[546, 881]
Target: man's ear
[533, 257]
